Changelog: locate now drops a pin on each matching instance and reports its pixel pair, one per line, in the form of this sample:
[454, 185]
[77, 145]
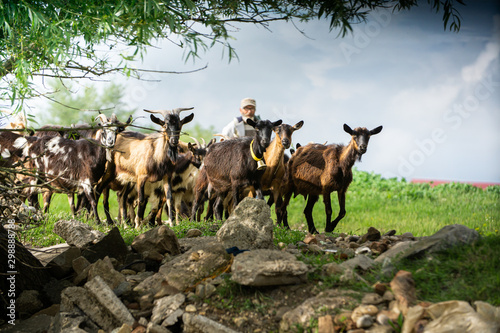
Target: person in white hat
[238, 126]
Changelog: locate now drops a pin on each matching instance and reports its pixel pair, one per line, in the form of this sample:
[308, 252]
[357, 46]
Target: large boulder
[268, 268]
[198, 263]
[449, 236]
[111, 245]
[159, 240]
[249, 227]
[77, 233]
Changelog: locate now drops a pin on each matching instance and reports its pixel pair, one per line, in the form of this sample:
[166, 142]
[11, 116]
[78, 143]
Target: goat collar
[253, 154]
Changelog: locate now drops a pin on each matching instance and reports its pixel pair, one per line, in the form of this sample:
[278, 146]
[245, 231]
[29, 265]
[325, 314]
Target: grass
[467, 273]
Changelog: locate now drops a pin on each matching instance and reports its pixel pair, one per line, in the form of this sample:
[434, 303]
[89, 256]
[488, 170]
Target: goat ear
[190, 146]
[298, 125]
[251, 122]
[347, 129]
[157, 120]
[376, 130]
[187, 119]
[277, 123]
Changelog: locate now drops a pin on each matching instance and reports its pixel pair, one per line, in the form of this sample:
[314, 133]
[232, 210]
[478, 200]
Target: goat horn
[224, 137]
[179, 110]
[196, 141]
[162, 112]
[101, 117]
[204, 143]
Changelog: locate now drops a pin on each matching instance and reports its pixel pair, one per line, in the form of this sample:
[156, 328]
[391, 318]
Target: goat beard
[172, 153]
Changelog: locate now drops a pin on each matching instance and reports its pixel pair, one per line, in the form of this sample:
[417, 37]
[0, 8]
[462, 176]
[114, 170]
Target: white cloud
[476, 72]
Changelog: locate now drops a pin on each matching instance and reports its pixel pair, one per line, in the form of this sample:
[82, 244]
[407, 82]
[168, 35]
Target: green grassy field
[371, 201]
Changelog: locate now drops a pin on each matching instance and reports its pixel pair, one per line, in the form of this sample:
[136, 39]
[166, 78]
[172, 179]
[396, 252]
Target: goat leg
[311, 200]
[168, 196]
[142, 202]
[328, 208]
[331, 226]
[282, 216]
[219, 205]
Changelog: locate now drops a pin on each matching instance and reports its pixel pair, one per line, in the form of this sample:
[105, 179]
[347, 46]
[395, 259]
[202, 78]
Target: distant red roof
[433, 183]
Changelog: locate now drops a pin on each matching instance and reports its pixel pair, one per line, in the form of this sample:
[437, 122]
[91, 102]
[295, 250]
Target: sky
[436, 92]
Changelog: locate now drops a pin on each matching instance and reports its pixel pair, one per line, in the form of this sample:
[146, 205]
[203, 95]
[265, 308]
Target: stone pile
[161, 284]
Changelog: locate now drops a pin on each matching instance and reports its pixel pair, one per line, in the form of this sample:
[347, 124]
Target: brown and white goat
[139, 158]
[275, 161]
[185, 176]
[317, 169]
[68, 166]
[88, 131]
[231, 165]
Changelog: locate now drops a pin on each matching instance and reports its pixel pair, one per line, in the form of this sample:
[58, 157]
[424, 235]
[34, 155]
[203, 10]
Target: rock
[46, 254]
[125, 328]
[182, 272]
[190, 308]
[325, 324]
[52, 290]
[52, 311]
[71, 322]
[77, 233]
[152, 283]
[364, 321]
[79, 264]
[78, 305]
[29, 302]
[38, 324]
[166, 306]
[135, 261]
[363, 250]
[161, 240]
[330, 300]
[153, 328]
[372, 235]
[61, 266]
[363, 262]
[332, 268]
[403, 287]
[455, 316]
[104, 269]
[310, 239]
[267, 268]
[372, 298]
[198, 323]
[363, 310]
[448, 236]
[249, 227]
[100, 290]
[112, 245]
[191, 233]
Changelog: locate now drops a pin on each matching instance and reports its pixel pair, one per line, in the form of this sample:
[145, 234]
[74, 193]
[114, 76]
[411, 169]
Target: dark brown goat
[231, 165]
[317, 169]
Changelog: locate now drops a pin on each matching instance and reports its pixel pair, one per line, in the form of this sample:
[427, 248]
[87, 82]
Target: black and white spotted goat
[69, 166]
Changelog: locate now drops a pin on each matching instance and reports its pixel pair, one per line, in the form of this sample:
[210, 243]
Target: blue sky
[437, 93]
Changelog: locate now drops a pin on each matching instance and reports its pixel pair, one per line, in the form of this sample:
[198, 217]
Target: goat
[231, 165]
[275, 160]
[81, 131]
[186, 174]
[74, 165]
[317, 169]
[139, 158]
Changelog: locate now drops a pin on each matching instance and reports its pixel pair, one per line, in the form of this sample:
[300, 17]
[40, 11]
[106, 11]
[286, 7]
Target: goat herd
[160, 170]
